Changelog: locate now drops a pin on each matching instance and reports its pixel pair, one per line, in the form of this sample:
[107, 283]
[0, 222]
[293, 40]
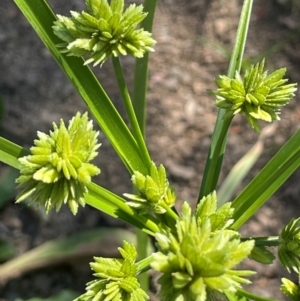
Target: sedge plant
[198, 249]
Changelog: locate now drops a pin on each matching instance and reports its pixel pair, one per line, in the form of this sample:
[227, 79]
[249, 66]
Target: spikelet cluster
[259, 96]
[197, 261]
[289, 248]
[104, 30]
[116, 278]
[155, 192]
[58, 170]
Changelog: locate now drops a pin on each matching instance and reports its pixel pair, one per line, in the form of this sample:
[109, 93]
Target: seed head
[104, 30]
[258, 95]
[197, 261]
[57, 171]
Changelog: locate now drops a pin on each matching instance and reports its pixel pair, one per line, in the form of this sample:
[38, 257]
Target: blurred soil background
[194, 38]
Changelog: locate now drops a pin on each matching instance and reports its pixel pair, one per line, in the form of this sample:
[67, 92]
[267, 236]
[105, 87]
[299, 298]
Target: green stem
[216, 153]
[139, 104]
[122, 210]
[141, 70]
[236, 59]
[137, 133]
[253, 296]
[144, 265]
[170, 212]
[142, 250]
[267, 241]
[218, 145]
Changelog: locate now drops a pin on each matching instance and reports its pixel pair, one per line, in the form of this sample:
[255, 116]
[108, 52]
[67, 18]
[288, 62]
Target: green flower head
[117, 278]
[289, 249]
[197, 261]
[104, 30]
[155, 192]
[57, 171]
[258, 95]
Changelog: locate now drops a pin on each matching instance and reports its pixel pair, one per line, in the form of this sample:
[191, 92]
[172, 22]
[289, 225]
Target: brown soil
[194, 41]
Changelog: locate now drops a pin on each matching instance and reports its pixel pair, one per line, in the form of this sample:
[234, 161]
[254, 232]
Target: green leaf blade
[270, 178]
[10, 152]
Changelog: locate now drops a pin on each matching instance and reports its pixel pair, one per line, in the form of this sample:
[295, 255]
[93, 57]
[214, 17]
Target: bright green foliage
[197, 260]
[57, 171]
[290, 289]
[289, 248]
[258, 95]
[262, 254]
[117, 281]
[104, 30]
[155, 192]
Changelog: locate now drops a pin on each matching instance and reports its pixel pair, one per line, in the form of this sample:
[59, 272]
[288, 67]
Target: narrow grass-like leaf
[41, 17]
[242, 167]
[10, 152]
[7, 185]
[253, 297]
[238, 173]
[63, 295]
[82, 245]
[269, 179]
[116, 206]
[6, 250]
